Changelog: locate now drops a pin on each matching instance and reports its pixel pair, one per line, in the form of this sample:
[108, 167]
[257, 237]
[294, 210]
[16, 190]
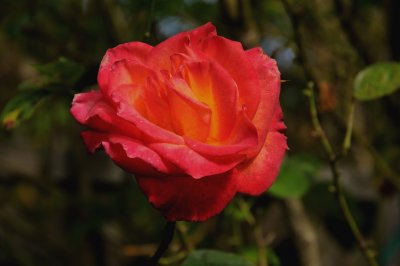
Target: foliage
[377, 80]
[295, 177]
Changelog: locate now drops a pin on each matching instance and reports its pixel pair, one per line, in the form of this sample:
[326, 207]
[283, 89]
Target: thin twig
[366, 249]
[349, 128]
[381, 164]
[309, 92]
[150, 19]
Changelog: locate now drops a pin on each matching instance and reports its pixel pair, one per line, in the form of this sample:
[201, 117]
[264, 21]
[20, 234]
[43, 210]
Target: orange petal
[190, 117]
[213, 86]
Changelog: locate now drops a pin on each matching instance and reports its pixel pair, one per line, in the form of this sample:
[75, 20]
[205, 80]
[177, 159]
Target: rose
[196, 119]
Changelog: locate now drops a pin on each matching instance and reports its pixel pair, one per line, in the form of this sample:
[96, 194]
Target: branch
[349, 128]
[366, 249]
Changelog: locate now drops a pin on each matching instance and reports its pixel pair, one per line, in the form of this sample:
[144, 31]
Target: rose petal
[231, 56]
[257, 175]
[159, 57]
[190, 117]
[191, 162]
[93, 140]
[213, 86]
[126, 72]
[242, 141]
[269, 77]
[185, 198]
[92, 110]
[129, 154]
[133, 51]
[150, 130]
[202, 33]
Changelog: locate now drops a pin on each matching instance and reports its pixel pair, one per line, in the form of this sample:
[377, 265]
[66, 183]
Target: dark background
[61, 206]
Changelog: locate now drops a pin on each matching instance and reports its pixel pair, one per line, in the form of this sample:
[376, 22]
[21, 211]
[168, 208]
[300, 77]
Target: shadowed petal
[129, 154]
[186, 198]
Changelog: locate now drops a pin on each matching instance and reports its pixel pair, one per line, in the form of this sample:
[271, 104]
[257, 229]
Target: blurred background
[61, 206]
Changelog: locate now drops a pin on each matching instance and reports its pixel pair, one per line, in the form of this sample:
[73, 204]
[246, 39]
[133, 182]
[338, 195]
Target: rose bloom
[196, 119]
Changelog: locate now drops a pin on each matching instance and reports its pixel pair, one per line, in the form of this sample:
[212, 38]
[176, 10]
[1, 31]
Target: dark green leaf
[62, 73]
[252, 253]
[376, 81]
[63, 70]
[295, 177]
[21, 107]
[214, 258]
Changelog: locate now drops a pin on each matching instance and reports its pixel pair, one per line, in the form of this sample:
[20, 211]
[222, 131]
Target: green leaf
[376, 81]
[21, 107]
[63, 70]
[214, 258]
[62, 73]
[295, 177]
[252, 254]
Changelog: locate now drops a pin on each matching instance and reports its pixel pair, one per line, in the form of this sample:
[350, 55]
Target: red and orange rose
[196, 119]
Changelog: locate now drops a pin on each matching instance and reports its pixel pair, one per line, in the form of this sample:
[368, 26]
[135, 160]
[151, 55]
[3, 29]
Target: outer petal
[159, 58]
[125, 72]
[129, 154]
[185, 198]
[93, 140]
[202, 33]
[134, 51]
[269, 77]
[92, 110]
[257, 175]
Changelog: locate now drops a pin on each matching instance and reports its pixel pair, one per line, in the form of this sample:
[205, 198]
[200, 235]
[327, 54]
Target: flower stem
[168, 234]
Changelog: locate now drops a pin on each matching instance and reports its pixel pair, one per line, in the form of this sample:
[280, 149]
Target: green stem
[349, 128]
[368, 252]
[309, 92]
